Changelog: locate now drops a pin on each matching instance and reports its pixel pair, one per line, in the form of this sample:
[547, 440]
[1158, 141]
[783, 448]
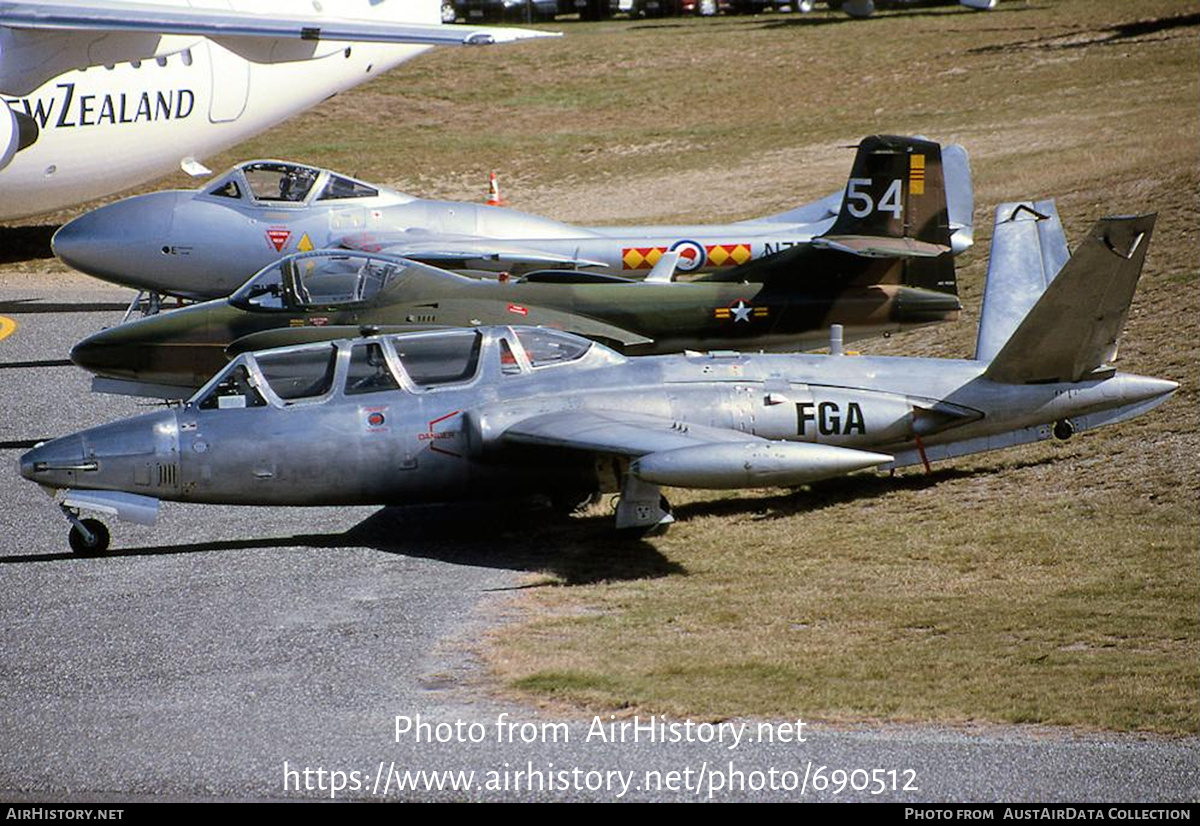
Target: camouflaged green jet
[885, 264]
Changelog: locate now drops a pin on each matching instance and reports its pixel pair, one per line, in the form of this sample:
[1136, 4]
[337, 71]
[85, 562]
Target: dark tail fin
[895, 201]
[892, 227]
[1073, 328]
[895, 207]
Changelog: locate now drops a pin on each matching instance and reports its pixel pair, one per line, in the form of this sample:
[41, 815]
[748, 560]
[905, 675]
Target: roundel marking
[691, 255]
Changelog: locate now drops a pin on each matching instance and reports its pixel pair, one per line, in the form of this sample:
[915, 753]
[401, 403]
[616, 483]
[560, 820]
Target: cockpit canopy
[327, 278]
[410, 362]
[280, 183]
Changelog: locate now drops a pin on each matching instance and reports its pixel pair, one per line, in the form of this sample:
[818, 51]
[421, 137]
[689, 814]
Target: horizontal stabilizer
[1073, 328]
[869, 246]
[1028, 250]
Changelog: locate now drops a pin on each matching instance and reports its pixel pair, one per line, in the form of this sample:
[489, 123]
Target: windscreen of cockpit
[439, 358]
[326, 280]
[234, 390]
[264, 291]
[279, 181]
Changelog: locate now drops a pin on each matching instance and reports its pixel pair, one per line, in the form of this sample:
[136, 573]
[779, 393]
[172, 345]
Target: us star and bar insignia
[740, 310]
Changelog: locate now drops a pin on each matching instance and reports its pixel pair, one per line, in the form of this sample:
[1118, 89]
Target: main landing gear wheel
[1064, 429]
[92, 543]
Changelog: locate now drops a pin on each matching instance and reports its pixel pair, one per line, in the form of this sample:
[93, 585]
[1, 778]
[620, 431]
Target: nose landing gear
[88, 537]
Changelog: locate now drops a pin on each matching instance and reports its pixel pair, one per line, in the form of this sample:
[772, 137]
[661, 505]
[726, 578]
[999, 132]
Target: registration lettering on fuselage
[828, 419]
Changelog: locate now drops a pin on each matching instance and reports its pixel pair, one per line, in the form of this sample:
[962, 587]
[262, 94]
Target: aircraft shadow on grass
[832, 492]
[1106, 36]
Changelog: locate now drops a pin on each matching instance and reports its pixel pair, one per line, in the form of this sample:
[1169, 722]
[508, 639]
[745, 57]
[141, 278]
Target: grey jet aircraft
[201, 244]
[391, 419]
[787, 300]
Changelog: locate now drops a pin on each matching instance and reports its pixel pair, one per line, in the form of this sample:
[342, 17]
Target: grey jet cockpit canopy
[414, 362]
[326, 278]
[274, 183]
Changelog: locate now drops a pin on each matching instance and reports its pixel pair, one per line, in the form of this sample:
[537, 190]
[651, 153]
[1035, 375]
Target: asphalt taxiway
[203, 654]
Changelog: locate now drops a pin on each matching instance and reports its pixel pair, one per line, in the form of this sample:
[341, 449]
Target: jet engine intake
[17, 131]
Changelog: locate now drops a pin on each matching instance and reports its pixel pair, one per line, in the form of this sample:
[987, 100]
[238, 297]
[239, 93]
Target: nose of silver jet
[113, 241]
[49, 460]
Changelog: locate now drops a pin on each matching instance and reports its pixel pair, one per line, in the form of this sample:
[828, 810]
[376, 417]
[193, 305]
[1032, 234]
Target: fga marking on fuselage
[65, 109]
[828, 419]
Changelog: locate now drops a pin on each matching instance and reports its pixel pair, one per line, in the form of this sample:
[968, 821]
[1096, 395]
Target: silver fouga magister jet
[205, 243]
[389, 419]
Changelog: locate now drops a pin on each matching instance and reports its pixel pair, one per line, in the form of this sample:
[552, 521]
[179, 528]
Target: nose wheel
[88, 537]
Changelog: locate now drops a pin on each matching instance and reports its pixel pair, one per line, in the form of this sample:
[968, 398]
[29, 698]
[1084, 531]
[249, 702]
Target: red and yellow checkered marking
[640, 258]
[727, 255]
[916, 175]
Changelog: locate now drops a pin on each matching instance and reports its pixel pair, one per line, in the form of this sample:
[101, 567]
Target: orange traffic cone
[494, 198]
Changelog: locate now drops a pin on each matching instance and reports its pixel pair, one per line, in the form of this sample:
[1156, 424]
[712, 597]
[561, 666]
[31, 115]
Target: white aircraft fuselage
[104, 130]
[115, 94]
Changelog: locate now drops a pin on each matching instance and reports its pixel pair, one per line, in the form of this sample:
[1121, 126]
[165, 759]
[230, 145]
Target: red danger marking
[434, 436]
[278, 237]
[518, 309]
[376, 419]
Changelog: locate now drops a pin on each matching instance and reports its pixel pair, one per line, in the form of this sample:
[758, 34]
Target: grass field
[1056, 583]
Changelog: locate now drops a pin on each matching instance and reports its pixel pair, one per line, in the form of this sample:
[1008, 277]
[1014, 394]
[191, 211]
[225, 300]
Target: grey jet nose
[114, 241]
[51, 462]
